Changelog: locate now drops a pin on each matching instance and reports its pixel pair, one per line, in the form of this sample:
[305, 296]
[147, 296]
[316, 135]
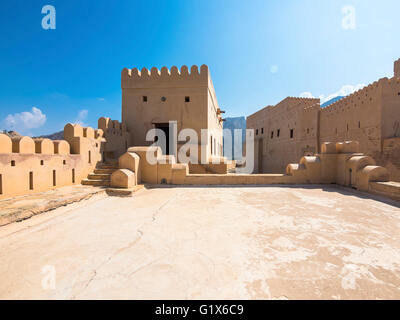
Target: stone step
[99, 176]
[119, 192]
[107, 166]
[101, 183]
[104, 171]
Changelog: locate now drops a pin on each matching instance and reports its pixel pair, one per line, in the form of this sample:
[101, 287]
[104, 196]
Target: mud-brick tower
[152, 99]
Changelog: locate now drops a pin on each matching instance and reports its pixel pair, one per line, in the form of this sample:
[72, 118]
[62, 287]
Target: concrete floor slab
[278, 242]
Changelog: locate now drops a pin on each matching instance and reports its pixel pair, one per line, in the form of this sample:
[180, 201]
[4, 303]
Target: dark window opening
[73, 175]
[347, 127]
[144, 98]
[212, 144]
[398, 94]
[187, 99]
[89, 157]
[256, 132]
[308, 130]
[272, 134]
[278, 133]
[262, 130]
[163, 99]
[350, 173]
[64, 162]
[12, 163]
[30, 180]
[359, 124]
[54, 178]
[291, 133]
[41, 162]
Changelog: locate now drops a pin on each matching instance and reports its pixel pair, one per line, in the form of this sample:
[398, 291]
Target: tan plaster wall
[272, 154]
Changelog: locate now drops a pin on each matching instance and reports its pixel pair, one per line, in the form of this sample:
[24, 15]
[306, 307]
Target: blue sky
[258, 52]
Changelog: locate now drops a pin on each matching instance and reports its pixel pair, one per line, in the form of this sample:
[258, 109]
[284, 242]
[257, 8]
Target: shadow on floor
[346, 191]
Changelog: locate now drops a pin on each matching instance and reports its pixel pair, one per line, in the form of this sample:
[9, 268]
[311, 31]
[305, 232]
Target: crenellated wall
[133, 78]
[118, 139]
[34, 165]
[371, 116]
[356, 117]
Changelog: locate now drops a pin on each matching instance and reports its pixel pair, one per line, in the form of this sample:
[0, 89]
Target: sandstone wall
[30, 166]
[371, 116]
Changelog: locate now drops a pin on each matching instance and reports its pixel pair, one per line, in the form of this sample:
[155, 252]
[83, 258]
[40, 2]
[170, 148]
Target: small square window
[187, 99]
[163, 99]
[12, 163]
[144, 98]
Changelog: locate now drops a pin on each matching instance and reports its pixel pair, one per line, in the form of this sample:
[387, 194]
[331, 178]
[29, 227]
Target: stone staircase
[101, 176]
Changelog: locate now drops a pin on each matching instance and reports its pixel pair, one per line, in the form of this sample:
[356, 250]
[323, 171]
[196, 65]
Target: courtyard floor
[277, 242]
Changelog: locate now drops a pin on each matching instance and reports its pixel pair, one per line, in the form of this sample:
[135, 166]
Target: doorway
[165, 128]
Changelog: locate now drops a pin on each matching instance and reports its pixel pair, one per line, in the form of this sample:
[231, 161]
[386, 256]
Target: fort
[297, 127]
[353, 142]
[118, 215]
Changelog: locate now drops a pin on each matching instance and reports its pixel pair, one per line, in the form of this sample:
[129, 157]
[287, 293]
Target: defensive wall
[34, 165]
[292, 129]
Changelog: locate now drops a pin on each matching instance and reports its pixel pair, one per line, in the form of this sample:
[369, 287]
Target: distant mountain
[54, 136]
[11, 134]
[234, 152]
[333, 100]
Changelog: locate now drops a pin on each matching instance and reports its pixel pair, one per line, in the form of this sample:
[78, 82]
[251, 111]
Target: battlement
[76, 130]
[312, 107]
[27, 145]
[108, 126]
[397, 69]
[363, 95]
[133, 78]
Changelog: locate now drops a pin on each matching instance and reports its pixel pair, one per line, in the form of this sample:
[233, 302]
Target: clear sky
[258, 52]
